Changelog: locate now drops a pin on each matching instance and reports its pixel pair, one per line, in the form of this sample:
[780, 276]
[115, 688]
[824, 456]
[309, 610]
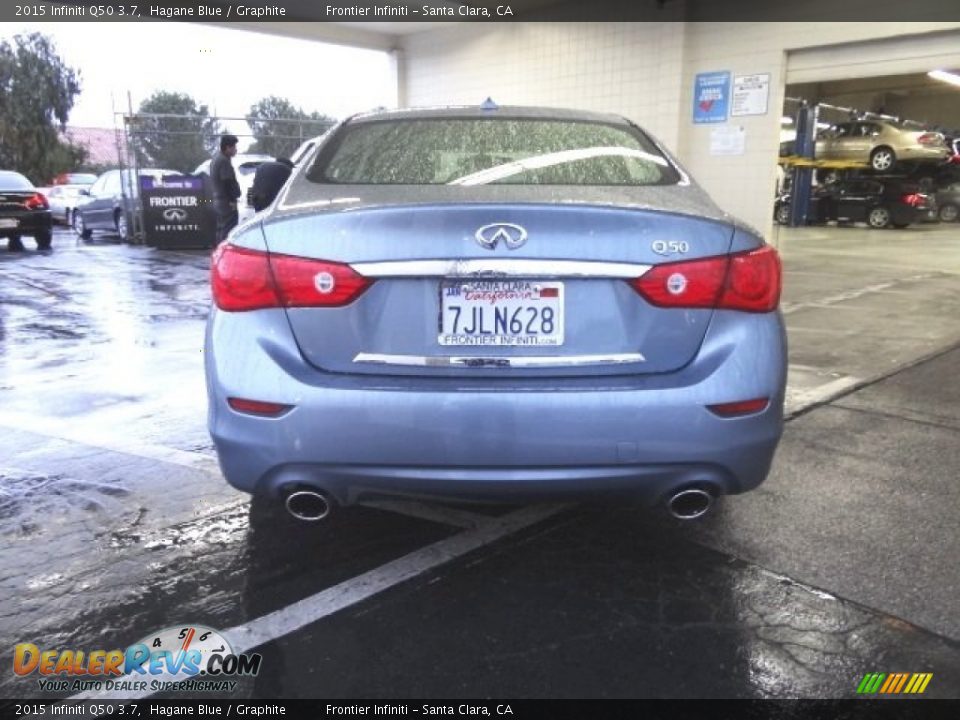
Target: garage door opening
[864, 212]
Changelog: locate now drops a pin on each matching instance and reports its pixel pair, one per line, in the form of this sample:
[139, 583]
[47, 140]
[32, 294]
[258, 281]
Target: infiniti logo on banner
[513, 236]
[176, 215]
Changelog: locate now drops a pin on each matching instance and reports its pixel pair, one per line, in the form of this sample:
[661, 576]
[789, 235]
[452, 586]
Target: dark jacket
[267, 182]
[224, 179]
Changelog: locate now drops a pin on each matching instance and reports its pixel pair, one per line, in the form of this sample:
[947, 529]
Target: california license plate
[501, 313]
[9, 222]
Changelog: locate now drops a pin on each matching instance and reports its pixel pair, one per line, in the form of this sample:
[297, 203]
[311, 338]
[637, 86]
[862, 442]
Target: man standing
[226, 189]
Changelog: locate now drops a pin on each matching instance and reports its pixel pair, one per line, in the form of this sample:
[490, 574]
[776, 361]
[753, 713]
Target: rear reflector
[257, 407]
[742, 407]
[747, 281]
[243, 279]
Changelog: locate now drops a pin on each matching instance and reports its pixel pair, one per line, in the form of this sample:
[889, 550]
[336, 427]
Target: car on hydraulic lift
[878, 204]
[880, 144]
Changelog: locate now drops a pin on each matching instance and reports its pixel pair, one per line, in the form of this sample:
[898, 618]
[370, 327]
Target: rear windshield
[505, 151]
[14, 181]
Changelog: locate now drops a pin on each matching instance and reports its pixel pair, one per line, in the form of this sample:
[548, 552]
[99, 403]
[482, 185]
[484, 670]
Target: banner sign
[176, 212]
[711, 97]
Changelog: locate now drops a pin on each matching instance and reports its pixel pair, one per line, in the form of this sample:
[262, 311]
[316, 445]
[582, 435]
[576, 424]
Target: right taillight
[36, 202]
[243, 279]
[748, 281]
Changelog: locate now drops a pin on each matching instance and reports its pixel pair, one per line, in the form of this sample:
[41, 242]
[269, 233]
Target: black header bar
[504, 709]
[487, 11]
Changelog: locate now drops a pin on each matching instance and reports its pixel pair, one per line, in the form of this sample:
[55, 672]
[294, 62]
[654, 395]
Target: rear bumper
[920, 153]
[364, 436]
[29, 223]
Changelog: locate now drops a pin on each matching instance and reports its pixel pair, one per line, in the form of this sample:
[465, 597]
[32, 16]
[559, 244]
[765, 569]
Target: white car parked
[63, 200]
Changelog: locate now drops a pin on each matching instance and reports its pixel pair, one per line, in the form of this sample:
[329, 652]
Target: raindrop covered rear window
[488, 151]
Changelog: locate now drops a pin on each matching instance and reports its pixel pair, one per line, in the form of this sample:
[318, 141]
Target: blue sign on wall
[711, 97]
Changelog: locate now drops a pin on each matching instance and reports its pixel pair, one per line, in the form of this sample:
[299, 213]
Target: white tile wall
[644, 71]
[626, 68]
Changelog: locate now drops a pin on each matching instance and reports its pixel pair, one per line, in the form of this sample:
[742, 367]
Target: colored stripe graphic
[891, 681]
[871, 683]
[894, 683]
[918, 683]
[900, 683]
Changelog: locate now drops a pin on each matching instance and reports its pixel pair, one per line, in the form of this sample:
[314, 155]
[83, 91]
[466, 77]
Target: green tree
[171, 130]
[37, 92]
[279, 127]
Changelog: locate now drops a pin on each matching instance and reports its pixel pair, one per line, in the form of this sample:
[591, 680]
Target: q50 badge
[670, 247]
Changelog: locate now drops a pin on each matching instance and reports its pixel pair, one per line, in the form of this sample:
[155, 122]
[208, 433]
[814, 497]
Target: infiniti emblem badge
[177, 215]
[513, 236]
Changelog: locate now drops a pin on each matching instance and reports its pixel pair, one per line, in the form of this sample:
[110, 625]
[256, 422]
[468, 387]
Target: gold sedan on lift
[881, 144]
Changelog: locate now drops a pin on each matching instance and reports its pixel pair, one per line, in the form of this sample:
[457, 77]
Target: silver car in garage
[494, 303]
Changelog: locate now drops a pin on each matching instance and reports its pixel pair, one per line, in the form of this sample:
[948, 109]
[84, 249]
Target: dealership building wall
[646, 72]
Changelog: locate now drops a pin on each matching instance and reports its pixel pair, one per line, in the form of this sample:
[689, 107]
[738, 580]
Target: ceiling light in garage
[945, 76]
[785, 120]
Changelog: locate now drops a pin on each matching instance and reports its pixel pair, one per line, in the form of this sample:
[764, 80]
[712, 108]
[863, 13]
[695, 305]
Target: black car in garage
[23, 211]
[878, 204]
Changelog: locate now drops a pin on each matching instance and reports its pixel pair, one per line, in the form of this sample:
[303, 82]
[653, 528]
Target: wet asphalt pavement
[114, 521]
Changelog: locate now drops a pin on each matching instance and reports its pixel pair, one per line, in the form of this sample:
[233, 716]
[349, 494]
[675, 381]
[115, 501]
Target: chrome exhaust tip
[308, 505]
[689, 504]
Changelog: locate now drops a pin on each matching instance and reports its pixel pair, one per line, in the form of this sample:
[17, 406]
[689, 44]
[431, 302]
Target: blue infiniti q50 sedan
[509, 303]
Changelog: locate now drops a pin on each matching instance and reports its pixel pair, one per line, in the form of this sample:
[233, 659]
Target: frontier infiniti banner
[176, 212]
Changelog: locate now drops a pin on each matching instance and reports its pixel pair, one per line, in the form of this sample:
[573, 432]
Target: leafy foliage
[37, 92]
[279, 127]
[172, 131]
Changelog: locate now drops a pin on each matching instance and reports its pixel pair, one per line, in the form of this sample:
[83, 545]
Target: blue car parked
[509, 304]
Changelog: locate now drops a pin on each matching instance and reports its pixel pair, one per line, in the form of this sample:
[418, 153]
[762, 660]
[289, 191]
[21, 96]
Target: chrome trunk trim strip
[507, 267]
[527, 361]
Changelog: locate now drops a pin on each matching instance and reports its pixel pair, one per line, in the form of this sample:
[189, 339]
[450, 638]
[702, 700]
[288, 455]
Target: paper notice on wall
[751, 94]
[727, 140]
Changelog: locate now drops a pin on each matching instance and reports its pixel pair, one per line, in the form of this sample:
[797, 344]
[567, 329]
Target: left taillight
[244, 279]
[36, 202]
[930, 139]
[914, 199]
[748, 281]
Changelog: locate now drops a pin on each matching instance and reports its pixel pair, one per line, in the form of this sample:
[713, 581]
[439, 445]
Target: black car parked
[879, 204]
[23, 211]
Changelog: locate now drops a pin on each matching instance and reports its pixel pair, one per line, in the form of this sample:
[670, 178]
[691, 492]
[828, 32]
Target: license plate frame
[488, 308]
[9, 223]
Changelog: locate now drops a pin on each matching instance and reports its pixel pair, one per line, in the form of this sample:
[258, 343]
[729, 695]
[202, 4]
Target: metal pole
[804, 146]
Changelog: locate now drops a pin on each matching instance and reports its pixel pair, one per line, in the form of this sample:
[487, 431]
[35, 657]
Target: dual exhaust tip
[309, 505]
[315, 505]
[690, 504]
